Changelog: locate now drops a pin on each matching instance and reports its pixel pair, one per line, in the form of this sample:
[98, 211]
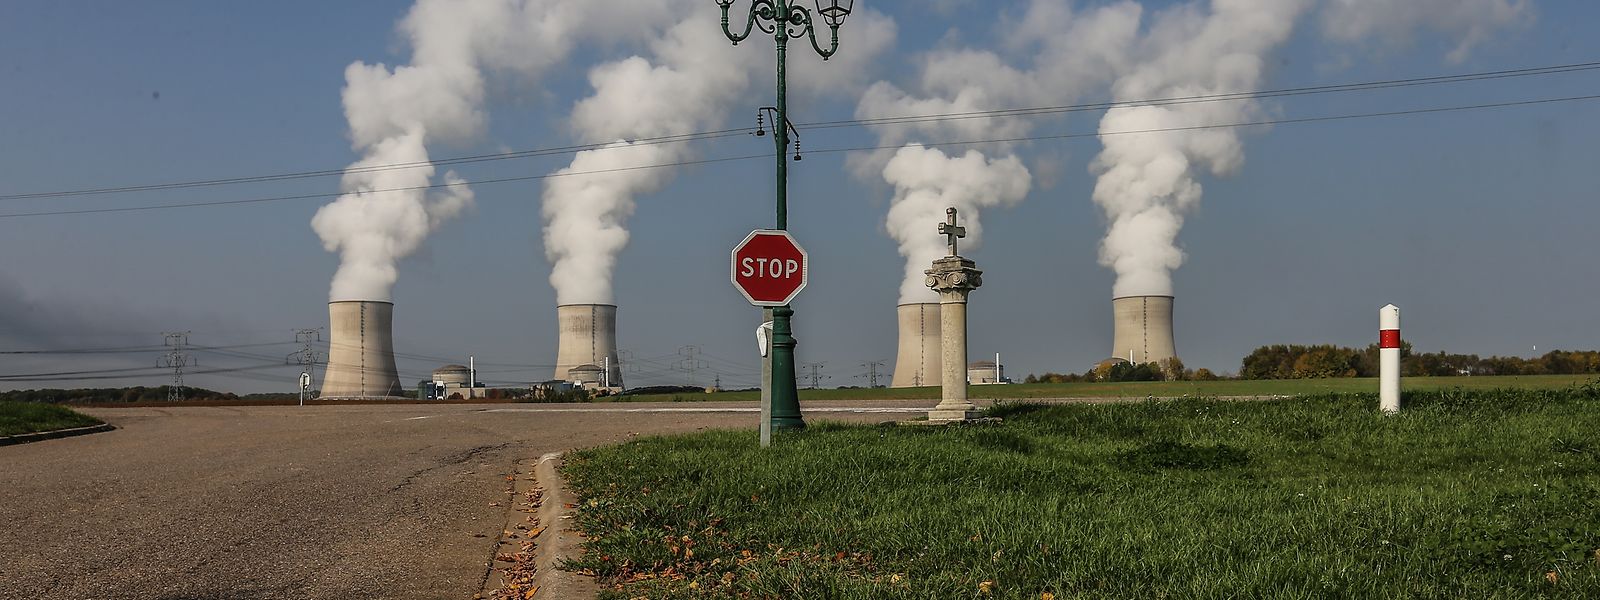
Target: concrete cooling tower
[1143, 329]
[588, 336]
[917, 362]
[361, 351]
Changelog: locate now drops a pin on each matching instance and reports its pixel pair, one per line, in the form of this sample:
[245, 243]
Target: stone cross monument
[953, 277]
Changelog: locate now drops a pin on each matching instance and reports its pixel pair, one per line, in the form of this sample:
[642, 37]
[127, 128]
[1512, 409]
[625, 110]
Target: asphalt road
[295, 502]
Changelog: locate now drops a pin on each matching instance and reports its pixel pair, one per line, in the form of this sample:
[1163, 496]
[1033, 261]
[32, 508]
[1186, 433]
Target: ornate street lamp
[785, 19]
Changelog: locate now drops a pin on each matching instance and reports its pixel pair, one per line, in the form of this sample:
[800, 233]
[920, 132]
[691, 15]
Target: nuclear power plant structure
[916, 364]
[588, 338]
[1143, 329]
[361, 351]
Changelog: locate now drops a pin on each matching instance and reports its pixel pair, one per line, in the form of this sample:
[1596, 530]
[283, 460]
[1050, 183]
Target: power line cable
[380, 168]
[107, 375]
[386, 190]
[716, 134]
[1261, 123]
[123, 349]
[1228, 96]
[129, 370]
[837, 150]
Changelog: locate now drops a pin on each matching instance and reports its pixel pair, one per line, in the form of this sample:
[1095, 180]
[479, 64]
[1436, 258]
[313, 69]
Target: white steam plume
[395, 113]
[1064, 64]
[1147, 181]
[689, 82]
[683, 87]
[373, 231]
[1468, 22]
[926, 182]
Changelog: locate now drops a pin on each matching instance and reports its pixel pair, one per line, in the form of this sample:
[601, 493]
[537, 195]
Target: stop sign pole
[770, 269]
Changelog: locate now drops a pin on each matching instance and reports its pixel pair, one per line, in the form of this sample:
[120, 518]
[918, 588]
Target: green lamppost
[784, 19]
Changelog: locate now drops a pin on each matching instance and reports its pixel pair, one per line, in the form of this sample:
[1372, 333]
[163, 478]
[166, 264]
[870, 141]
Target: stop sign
[769, 267]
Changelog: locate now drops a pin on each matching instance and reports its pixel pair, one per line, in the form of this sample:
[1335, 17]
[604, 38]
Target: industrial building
[456, 382]
[361, 351]
[986, 372]
[916, 363]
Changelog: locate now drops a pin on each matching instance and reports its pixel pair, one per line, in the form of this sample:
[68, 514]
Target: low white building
[591, 377]
[456, 382]
[986, 372]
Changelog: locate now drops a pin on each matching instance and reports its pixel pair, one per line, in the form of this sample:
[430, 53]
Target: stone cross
[953, 277]
[949, 230]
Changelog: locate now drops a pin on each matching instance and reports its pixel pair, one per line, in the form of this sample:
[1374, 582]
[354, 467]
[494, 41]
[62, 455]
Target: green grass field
[31, 417]
[1141, 389]
[1465, 494]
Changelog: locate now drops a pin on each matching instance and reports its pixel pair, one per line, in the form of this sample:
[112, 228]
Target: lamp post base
[785, 392]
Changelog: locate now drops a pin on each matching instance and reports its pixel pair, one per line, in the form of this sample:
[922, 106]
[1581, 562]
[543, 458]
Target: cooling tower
[588, 336]
[917, 362]
[1143, 329]
[360, 351]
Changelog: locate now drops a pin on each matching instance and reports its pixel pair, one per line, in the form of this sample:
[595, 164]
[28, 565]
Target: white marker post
[1389, 359]
[764, 344]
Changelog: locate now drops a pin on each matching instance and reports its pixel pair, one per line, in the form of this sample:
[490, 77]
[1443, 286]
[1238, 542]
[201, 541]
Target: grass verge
[1466, 494]
[17, 418]
[1140, 389]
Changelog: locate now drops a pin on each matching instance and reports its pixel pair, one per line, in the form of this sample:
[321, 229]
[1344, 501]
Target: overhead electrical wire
[1239, 125]
[107, 373]
[1177, 100]
[380, 168]
[24, 376]
[386, 190]
[1014, 112]
[134, 349]
[1265, 122]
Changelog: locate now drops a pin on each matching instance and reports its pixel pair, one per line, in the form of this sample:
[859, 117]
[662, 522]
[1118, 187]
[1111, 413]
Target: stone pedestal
[953, 277]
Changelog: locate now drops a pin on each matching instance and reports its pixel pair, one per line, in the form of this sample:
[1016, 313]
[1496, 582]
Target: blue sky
[1477, 223]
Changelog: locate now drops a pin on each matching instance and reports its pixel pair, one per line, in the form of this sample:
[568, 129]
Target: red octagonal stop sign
[769, 267]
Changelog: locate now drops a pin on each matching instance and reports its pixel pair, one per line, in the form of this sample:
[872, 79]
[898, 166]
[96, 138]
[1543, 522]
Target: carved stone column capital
[954, 274]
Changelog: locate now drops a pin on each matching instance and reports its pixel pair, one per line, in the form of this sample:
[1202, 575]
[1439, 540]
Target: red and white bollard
[1389, 359]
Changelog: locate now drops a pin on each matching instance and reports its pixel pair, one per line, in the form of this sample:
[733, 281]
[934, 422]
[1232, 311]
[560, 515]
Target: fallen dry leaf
[1046, 596]
[985, 586]
[1552, 577]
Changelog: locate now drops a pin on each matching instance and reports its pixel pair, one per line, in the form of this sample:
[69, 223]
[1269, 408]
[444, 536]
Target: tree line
[1282, 361]
[1171, 369]
[1322, 361]
[127, 394]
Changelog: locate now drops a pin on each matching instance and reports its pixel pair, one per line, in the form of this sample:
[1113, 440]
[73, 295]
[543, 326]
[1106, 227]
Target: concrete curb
[561, 541]
[51, 435]
[527, 560]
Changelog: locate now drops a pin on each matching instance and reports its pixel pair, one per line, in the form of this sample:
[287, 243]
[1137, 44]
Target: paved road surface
[295, 502]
